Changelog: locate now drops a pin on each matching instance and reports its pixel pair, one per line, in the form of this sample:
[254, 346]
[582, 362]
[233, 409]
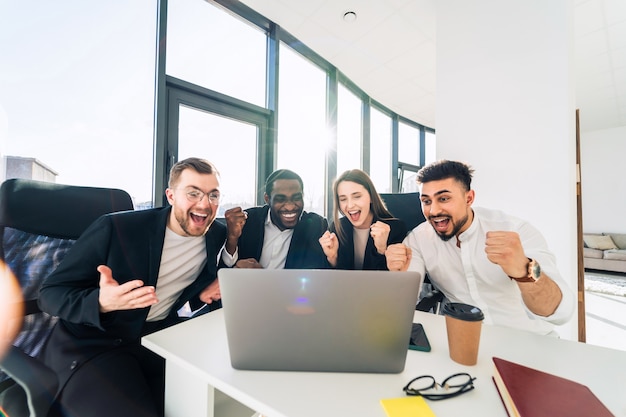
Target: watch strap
[524, 279]
[530, 274]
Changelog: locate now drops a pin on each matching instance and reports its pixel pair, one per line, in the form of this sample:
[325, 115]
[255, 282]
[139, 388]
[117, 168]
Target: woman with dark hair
[359, 238]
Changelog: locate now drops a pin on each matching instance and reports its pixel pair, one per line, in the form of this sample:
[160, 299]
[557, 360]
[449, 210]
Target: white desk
[197, 361]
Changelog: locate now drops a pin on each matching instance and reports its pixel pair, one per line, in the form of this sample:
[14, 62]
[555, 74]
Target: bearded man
[126, 276]
[482, 257]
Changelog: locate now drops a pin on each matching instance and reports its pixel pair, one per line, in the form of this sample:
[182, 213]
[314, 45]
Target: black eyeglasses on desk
[426, 386]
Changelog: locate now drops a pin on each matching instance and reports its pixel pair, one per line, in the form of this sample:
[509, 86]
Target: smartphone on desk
[418, 340]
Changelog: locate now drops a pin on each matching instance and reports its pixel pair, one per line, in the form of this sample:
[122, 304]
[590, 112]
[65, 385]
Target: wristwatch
[534, 272]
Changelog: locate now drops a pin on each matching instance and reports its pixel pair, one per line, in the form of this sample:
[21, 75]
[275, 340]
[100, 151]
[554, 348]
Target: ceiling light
[349, 16]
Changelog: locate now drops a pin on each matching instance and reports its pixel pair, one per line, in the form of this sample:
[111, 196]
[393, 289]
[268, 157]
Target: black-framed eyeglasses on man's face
[426, 386]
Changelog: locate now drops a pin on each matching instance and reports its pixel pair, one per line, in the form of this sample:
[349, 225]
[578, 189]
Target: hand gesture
[398, 257]
[211, 292]
[235, 219]
[128, 296]
[380, 233]
[248, 263]
[330, 246]
[505, 249]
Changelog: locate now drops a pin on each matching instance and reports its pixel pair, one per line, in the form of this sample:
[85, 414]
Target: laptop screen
[318, 320]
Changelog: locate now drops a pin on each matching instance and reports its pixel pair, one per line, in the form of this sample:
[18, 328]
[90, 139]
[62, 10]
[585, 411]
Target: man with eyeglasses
[279, 234]
[126, 276]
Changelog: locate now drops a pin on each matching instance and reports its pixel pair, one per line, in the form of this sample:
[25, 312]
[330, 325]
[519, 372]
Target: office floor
[605, 309]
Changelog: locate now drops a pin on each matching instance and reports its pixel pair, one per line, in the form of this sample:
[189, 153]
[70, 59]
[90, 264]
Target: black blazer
[130, 243]
[372, 260]
[305, 251]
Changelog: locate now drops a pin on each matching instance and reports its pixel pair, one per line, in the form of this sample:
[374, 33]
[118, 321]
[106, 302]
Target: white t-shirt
[181, 262]
[360, 238]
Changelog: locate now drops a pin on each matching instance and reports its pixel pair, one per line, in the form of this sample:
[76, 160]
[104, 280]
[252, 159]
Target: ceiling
[390, 51]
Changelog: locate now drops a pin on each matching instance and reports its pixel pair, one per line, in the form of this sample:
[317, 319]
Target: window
[77, 91]
[211, 48]
[348, 130]
[408, 144]
[408, 156]
[380, 159]
[430, 153]
[302, 124]
[77, 99]
[205, 135]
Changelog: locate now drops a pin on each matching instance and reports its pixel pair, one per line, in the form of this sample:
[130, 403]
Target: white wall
[505, 105]
[603, 175]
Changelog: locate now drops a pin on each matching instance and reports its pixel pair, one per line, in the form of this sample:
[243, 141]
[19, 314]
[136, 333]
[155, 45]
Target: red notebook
[527, 392]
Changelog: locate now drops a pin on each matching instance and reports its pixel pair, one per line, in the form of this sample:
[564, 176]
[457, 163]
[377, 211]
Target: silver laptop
[318, 320]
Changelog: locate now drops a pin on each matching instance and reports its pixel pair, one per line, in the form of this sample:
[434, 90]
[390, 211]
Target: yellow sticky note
[407, 407]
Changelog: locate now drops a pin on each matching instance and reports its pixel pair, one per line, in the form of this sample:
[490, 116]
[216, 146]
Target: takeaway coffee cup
[463, 324]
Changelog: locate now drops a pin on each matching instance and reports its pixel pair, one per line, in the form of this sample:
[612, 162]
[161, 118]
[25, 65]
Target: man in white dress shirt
[482, 257]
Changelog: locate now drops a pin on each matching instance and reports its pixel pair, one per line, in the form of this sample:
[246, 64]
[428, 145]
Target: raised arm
[504, 248]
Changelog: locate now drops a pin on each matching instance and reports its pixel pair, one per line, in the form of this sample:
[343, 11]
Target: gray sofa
[605, 251]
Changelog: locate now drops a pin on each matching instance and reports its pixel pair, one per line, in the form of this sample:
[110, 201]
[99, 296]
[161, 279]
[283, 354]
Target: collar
[471, 230]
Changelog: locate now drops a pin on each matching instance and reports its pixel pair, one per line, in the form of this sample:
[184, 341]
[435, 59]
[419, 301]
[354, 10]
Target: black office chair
[408, 208]
[39, 222]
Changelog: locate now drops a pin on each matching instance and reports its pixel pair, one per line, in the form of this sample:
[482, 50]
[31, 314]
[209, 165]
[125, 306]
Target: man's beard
[455, 230]
[185, 224]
